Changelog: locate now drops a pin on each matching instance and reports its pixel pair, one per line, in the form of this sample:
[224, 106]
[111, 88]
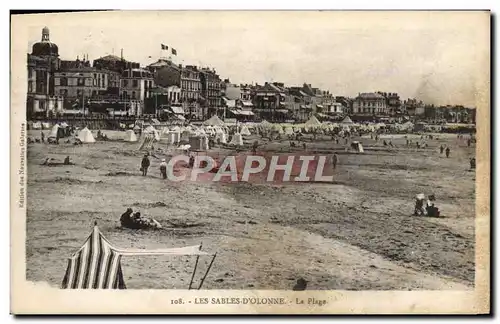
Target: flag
[96, 265]
[164, 47]
[174, 52]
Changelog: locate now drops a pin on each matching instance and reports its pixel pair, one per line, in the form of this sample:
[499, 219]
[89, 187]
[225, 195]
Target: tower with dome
[43, 62]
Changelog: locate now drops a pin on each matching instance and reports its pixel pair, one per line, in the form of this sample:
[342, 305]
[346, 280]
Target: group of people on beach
[132, 220]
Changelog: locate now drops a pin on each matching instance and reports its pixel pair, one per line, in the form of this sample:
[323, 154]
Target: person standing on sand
[447, 152]
[441, 149]
[163, 168]
[145, 163]
[334, 160]
[43, 136]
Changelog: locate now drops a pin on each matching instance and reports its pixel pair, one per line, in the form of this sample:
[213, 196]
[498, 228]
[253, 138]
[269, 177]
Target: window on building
[125, 94]
[30, 73]
[125, 83]
[135, 83]
[133, 94]
[79, 93]
[30, 86]
[81, 81]
[63, 81]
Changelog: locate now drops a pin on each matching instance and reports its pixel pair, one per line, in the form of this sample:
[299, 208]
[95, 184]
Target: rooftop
[370, 95]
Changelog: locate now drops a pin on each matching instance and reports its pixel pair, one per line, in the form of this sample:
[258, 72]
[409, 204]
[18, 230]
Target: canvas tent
[237, 139]
[244, 131]
[54, 131]
[130, 136]
[97, 264]
[347, 120]
[312, 122]
[85, 135]
[265, 123]
[213, 121]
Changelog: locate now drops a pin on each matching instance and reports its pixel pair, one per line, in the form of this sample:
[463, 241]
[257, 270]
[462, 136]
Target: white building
[370, 104]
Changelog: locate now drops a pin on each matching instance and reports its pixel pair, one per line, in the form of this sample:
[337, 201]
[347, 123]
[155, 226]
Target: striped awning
[97, 264]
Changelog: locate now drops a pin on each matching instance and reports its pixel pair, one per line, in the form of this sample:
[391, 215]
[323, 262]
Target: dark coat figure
[468, 142]
[43, 137]
[441, 149]
[191, 161]
[126, 218]
[447, 152]
[254, 147]
[145, 163]
[473, 163]
[432, 211]
[163, 169]
[67, 161]
[334, 160]
[301, 285]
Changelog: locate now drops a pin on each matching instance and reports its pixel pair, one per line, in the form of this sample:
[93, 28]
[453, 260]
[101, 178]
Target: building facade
[135, 88]
[191, 92]
[211, 92]
[42, 63]
[370, 104]
[270, 102]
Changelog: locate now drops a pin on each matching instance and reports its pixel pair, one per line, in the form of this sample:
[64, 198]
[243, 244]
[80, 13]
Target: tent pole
[195, 266]
[194, 271]
[206, 273]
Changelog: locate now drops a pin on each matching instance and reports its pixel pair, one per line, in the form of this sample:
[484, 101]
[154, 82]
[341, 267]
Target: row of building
[113, 86]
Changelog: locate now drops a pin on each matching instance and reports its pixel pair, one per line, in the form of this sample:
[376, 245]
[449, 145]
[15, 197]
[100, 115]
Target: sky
[437, 57]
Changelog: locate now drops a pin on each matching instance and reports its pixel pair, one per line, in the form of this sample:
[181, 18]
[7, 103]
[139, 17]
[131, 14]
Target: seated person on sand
[136, 221]
[419, 205]
[431, 210]
[67, 161]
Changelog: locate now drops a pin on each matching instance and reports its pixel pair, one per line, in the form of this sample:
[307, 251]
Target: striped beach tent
[97, 264]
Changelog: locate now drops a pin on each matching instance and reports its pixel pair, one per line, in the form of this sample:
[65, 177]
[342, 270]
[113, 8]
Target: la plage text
[258, 301]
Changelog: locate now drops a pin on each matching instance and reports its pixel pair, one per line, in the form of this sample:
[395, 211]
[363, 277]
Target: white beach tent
[54, 130]
[347, 120]
[237, 140]
[213, 121]
[264, 123]
[313, 122]
[130, 136]
[85, 135]
[37, 125]
[105, 270]
[244, 131]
